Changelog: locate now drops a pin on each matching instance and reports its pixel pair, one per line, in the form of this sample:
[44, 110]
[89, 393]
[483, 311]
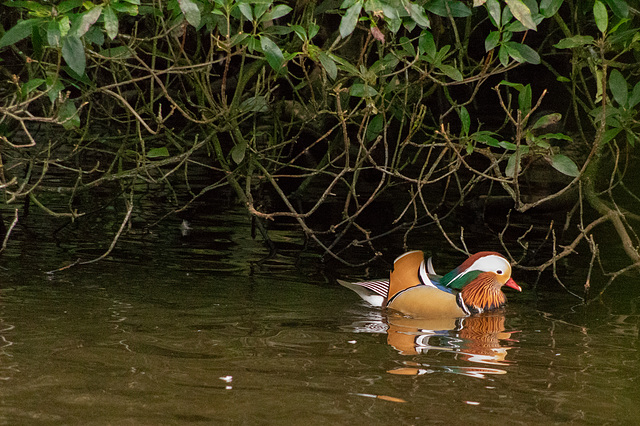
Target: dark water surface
[191, 330]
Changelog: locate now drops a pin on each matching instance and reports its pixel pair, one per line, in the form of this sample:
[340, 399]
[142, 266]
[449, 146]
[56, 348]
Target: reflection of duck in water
[414, 289]
[477, 338]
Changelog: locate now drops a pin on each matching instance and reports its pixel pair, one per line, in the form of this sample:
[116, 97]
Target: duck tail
[373, 292]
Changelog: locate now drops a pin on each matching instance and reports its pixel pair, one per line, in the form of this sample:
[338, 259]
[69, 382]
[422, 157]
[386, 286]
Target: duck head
[480, 279]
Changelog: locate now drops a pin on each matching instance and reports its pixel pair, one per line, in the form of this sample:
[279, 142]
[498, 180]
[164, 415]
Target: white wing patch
[424, 276]
[430, 268]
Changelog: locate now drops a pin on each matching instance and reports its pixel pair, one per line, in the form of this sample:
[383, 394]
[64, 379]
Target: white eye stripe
[491, 263]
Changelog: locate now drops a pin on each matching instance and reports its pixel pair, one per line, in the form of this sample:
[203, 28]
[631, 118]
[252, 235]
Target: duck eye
[499, 272]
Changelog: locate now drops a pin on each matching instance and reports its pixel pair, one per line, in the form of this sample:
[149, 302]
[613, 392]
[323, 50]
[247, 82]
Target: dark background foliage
[503, 124]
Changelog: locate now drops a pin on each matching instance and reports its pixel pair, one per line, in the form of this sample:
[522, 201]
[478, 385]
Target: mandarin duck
[414, 289]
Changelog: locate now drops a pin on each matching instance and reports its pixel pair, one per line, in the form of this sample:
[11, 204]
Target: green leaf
[556, 136]
[508, 145]
[344, 64]
[68, 115]
[74, 75]
[522, 53]
[238, 152]
[441, 54]
[260, 8]
[53, 34]
[238, 38]
[451, 72]
[443, 7]
[524, 100]
[18, 32]
[374, 128]
[416, 13]
[611, 117]
[245, 9]
[360, 90]
[610, 134]
[540, 142]
[620, 8]
[65, 26]
[277, 12]
[618, 86]
[94, 36]
[130, 9]
[34, 7]
[427, 45]
[547, 120]
[120, 52]
[394, 25]
[373, 7]
[289, 56]
[407, 46]
[54, 87]
[30, 86]
[68, 5]
[350, 19]
[602, 18]
[486, 137]
[277, 30]
[329, 65]
[300, 32]
[272, 52]
[548, 8]
[533, 7]
[37, 41]
[346, 4]
[575, 41]
[510, 46]
[503, 55]
[518, 86]
[465, 119]
[384, 65]
[158, 152]
[73, 53]
[506, 15]
[599, 85]
[522, 13]
[631, 137]
[564, 165]
[254, 104]
[87, 19]
[191, 12]
[493, 7]
[515, 27]
[110, 22]
[634, 99]
[492, 40]
[510, 171]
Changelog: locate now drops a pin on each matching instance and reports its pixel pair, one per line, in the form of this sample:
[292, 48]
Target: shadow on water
[198, 328]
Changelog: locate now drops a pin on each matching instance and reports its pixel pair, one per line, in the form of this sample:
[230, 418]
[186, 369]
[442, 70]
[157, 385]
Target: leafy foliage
[303, 100]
